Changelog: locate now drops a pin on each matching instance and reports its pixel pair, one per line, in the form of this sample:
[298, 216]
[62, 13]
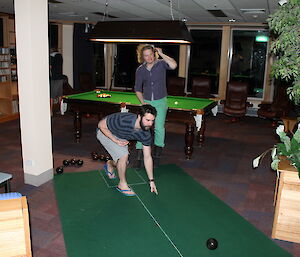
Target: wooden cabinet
[286, 225]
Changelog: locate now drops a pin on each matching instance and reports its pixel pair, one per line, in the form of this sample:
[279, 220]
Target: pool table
[189, 110]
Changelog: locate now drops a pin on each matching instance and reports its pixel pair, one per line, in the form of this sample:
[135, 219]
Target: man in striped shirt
[114, 133]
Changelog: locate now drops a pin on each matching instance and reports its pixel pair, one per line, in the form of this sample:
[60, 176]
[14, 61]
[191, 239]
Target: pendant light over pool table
[174, 31]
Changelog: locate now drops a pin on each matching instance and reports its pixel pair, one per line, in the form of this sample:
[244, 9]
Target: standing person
[150, 88]
[56, 77]
[114, 132]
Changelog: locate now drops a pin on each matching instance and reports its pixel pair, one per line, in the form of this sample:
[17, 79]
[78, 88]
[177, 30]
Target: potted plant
[288, 148]
[285, 24]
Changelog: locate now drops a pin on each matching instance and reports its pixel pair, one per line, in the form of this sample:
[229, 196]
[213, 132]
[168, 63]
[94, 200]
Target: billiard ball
[60, 170]
[79, 162]
[211, 243]
[73, 161]
[66, 163]
[176, 103]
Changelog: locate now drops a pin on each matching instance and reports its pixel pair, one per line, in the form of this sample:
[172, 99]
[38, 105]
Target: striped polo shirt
[121, 125]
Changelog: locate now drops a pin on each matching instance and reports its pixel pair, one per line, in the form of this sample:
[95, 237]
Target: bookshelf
[9, 103]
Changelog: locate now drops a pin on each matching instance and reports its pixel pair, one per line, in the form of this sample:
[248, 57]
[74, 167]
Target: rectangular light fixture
[261, 38]
[141, 32]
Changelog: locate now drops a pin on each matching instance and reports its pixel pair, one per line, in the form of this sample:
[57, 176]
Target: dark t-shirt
[152, 82]
[56, 62]
[121, 125]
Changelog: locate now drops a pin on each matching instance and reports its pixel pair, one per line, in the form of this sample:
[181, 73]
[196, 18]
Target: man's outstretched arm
[149, 167]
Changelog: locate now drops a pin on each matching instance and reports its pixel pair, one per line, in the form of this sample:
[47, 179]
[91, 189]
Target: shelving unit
[9, 103]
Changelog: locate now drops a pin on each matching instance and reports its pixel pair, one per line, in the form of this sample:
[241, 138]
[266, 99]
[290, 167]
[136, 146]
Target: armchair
[176, 86]
[280, 107]
[201, 87]
[86, 82]
[235, 104]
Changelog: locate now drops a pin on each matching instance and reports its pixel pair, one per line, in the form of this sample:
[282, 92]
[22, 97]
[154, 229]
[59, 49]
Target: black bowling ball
[211, 243]
[60, 170]
[79, 162]
[95, 157]
[102, 157]
[73, 161]
[66, 162]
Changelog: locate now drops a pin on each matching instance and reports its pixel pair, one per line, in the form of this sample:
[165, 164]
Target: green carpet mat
[98, 221]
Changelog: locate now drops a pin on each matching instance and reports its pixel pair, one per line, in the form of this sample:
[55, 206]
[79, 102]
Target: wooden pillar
[108, 59]
[67, 51]
[225, 48]
[31, 18]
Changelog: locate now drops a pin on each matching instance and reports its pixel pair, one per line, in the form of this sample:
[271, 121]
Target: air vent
[102, 14]
[54, 2]
[253, 11]
[70, 14]
[217, 13]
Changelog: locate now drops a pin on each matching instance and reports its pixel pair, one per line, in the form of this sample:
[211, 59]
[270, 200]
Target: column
[224, 62]
[31, 18]
[67, 49]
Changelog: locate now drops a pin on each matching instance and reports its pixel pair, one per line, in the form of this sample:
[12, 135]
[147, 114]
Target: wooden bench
[14, 228]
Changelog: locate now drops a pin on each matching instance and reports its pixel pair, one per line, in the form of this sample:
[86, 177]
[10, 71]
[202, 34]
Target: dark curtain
[83, 60]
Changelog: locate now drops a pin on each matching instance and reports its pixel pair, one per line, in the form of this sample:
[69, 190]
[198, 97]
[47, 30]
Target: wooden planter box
[286, 225]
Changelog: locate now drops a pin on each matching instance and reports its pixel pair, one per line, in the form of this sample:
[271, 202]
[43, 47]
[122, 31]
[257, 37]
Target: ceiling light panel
[253, 4]
[132, 8]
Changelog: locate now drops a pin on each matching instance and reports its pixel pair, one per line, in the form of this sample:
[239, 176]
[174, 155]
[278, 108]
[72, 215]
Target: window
[125, 63]
[99, 65]
[249, 59]
[205, 56]
[53, 35]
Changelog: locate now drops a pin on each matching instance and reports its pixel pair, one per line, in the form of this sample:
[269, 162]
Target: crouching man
[114, 134]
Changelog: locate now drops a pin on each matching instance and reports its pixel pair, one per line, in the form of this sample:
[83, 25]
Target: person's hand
[153, 188]
[121, 142]
[158, 50]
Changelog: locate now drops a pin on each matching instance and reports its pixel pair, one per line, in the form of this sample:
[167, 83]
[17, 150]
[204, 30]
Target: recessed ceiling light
[253, 11]
[232, 20]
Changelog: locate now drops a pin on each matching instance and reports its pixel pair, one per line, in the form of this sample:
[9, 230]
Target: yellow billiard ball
[176, 102]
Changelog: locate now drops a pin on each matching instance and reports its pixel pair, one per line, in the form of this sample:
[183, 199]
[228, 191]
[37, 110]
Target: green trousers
[161, 107]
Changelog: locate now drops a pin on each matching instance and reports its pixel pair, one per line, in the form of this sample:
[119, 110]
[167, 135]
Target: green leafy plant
[285, 24]
[288, 147]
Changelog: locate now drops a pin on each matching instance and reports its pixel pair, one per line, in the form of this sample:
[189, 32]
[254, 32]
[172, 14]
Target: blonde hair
[141, 48]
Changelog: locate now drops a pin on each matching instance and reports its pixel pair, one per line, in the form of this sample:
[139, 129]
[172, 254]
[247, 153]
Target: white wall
[67, 49]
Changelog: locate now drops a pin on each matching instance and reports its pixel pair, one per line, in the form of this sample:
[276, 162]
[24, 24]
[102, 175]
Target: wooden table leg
[189, 139]
[77, 126]
[200, 134]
